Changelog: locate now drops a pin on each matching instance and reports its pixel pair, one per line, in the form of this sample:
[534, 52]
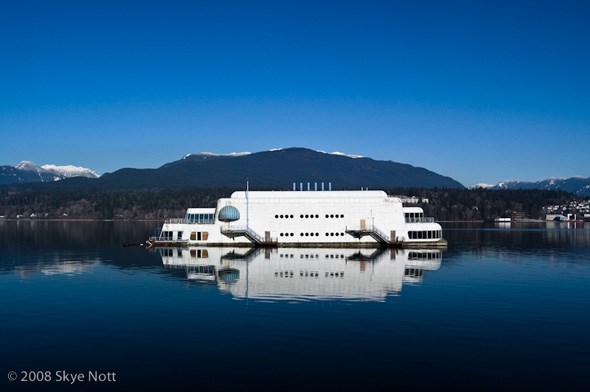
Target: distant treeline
[157, 204]
[153, 204]
[485, 204]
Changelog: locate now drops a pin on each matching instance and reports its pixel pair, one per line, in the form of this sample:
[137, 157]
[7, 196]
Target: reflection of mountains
[56, 267]
[304, 274]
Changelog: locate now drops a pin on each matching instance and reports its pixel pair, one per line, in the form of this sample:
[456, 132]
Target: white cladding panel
[304, 214]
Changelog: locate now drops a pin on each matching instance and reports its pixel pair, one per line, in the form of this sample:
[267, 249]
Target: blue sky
[481, 91]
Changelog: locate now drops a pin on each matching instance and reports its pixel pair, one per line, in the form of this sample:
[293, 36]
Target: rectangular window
[199, 236]
[193, 235]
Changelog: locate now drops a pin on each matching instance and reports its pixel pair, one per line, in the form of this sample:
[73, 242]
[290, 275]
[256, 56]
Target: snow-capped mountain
[27, 171]
[576, 185]
[204, 155]
[69, 171]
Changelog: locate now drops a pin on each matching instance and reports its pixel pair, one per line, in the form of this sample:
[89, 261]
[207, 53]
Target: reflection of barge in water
[303, 219]
[304, 273]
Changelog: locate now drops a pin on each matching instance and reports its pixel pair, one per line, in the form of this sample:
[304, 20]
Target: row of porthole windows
[307, 256]
[313, 274]
[282, 216]
[425, 235]
[311, 234]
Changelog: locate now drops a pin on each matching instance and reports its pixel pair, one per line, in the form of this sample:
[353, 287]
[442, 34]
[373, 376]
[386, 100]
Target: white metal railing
[369, 229]
[420, 220]
[248, 232]
[175, 220]
[188, 221]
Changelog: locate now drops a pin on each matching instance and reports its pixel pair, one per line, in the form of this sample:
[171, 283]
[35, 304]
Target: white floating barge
[303, 219]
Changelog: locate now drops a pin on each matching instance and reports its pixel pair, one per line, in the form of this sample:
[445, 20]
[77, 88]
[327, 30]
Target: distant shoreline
[162, 220]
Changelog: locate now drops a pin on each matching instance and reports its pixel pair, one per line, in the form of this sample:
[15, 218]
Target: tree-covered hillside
[443, 205]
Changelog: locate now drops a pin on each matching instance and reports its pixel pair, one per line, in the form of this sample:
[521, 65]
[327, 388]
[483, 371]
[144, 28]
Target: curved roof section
[308, 194]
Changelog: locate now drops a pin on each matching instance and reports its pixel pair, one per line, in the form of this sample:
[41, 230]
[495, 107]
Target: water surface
[502, 308]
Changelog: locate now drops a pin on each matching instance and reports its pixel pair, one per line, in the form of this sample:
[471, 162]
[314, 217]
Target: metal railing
[189, 221]
[370, 230]
[420, 220]
[175, 220]
[246, 232]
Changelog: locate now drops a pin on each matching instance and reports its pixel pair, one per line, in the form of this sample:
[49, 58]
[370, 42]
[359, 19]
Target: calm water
[502, 308]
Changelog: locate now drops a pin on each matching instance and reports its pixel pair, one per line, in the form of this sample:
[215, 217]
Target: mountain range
[577, 185]
[27, 172]
[275, 169]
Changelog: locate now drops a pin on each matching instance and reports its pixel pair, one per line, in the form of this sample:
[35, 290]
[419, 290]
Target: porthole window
[291, 216]
[317, 234]
[327, 216]
[281, 216]
[341, 215]
[301, 216]
[281, 234]
[332, 215]
[301, 234]
[307, 216]
[317, 216]
[276, 216]
[307, 234]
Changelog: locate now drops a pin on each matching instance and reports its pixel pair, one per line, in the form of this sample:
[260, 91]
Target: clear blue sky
[481, 91]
